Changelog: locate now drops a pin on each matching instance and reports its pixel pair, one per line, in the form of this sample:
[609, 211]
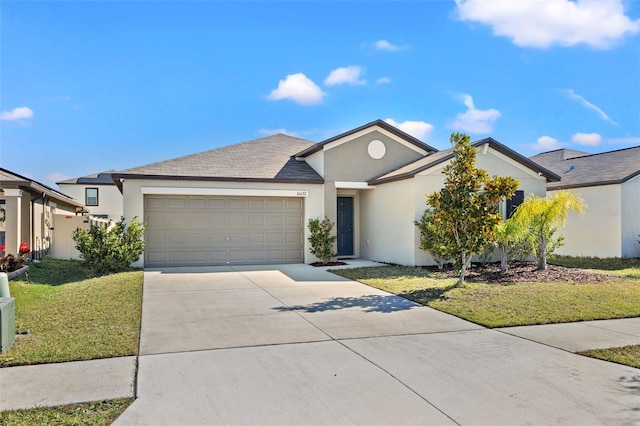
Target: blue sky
[92, 86]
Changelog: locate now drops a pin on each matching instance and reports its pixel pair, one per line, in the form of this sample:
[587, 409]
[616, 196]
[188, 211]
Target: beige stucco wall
[597, 232]
[386, 223]
[134, 199]
[350, 161]
[109, 198]
[496, 164]
[630, 215]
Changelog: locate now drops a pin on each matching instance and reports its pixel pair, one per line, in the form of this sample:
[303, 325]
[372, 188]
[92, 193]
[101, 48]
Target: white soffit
[240, 192]
[353, 185]
[368, 130]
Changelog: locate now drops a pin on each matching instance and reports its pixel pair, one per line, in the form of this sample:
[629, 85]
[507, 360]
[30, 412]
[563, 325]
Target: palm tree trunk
[504, 258]
[542, 249]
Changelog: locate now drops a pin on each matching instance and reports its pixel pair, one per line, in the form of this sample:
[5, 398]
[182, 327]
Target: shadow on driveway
[369, 303]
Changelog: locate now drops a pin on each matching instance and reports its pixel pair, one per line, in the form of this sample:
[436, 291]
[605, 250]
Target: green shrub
[107, 249]
[321, 239]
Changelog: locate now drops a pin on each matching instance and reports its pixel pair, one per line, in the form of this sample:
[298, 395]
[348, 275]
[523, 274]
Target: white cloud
[269, 132]
[299, 88]
[541, 24]
[56, 177]
[590, 139]
[630, 140]
[546, 143]
[417, 129]
[387, 46]
[383, 80]
[475, 120]
[19, 113]
[345, 75]
[573, 95]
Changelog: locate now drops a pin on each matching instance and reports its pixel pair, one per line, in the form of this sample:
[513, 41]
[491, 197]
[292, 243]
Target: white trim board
[371, 129]
[240, 192]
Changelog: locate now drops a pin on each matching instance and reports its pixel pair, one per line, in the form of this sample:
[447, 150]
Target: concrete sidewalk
[297, 345]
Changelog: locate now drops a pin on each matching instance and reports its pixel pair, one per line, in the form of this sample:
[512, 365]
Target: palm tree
[545, 215]
[509, 232]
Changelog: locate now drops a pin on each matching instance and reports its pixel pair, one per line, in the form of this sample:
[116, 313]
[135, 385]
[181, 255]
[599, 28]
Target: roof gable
[411, 141]
[604, 168]
[434, 159]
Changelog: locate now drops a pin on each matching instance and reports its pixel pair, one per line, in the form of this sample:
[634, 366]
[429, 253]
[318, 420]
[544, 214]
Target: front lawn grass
[91, 413]
[73, 316]
[499, 305]
[626, 355]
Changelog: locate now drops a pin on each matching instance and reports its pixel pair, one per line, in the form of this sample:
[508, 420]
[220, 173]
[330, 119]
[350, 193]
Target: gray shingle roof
[102, 178]
[436, 158]
[590, 169]
[10, 179]
[265, 159]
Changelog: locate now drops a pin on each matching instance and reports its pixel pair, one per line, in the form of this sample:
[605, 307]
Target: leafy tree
[108, 249]
[321, 239]
[544, 216]
[465, 212]
[430, 238]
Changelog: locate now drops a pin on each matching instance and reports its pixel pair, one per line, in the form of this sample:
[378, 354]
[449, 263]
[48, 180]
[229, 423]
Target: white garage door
[219, 230]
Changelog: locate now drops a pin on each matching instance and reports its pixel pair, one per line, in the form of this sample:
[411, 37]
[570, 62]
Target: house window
[514, 202]
[91, 196]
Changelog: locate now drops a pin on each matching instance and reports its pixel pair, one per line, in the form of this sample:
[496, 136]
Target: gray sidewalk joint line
[399, 381]
[261, 345]
[533, 341]
[611, 331]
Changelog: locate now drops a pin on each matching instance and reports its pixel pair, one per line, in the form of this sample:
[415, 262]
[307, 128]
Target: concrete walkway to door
[298, 345]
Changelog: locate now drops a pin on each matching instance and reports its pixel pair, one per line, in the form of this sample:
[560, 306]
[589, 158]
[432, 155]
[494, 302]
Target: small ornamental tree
[510, 233]
[544, 216]
[321, 239]
[430, 238]
[107, 249]
[465, 211]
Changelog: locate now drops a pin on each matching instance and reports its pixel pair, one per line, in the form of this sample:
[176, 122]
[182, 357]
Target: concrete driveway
[298, 345]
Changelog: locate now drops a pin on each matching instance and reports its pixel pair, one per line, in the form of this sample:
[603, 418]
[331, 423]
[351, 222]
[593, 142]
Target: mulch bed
[316, 264]
[527, 272]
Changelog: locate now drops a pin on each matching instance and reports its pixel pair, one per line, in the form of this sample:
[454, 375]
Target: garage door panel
[213, 230]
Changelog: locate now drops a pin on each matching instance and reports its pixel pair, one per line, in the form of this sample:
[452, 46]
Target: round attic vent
[376, 149]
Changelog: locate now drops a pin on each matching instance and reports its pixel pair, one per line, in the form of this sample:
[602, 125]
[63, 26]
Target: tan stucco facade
[383, 213]
[610, 226]
[29, 219]
[110, 202]
[388, 212]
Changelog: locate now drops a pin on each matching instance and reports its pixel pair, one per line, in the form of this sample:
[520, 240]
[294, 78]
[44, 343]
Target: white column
[13, 228]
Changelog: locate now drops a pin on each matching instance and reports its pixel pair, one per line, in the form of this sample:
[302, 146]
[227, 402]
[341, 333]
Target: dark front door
[345, 226]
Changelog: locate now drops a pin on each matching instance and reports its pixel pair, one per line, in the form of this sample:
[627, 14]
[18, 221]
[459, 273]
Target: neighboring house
[609, 183]
[251, 202]
[99, 193]
[29, 213]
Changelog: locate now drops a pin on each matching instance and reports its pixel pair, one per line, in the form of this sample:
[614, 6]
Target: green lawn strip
[90, 413]
[496, 305]
[622, 267]
[626, 355]
[73, 317]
